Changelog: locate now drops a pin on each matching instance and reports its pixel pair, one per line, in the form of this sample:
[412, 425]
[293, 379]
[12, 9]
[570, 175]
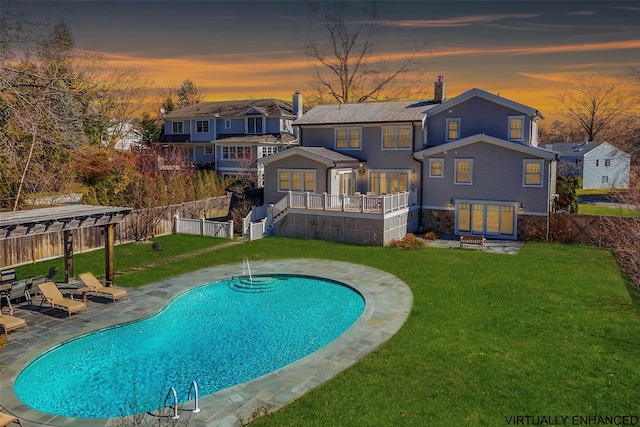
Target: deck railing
[346, 203]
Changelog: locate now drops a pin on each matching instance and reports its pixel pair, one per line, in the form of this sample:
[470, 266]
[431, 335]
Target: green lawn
[589, 209]
[551, 331]
[125, 256]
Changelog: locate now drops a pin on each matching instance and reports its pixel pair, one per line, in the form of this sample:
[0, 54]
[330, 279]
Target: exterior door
[488, 218]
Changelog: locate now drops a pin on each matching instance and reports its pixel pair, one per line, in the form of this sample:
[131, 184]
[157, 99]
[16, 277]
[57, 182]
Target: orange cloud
[459, 21]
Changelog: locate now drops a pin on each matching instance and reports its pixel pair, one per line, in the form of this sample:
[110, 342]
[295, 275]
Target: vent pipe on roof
[297, 107]
[439, 90]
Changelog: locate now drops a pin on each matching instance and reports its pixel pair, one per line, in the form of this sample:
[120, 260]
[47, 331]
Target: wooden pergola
[66, 219]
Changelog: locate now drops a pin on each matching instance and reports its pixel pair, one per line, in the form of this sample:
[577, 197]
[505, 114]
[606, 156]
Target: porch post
[109, 237]
[68, 255]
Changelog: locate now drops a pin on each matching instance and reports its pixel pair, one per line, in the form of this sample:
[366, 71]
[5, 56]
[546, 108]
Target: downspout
[421, 181]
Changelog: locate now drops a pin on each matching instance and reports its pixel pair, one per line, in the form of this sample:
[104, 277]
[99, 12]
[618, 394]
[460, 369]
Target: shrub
[431, 235]
[410, 241]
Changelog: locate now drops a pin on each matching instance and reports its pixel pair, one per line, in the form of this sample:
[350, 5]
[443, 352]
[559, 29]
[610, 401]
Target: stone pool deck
[388, 304]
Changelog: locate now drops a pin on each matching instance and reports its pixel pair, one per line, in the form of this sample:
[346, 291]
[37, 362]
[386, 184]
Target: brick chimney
[297, 104]
[439, 90]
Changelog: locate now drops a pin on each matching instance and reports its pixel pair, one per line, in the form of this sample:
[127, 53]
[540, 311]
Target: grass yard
[125, 256]
[589, 209]
[552, 331]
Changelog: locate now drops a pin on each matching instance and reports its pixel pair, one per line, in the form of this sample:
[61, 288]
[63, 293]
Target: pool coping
[388, 304]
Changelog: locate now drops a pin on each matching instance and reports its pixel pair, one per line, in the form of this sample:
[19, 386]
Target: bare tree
[598, 105]
[346, 66]
[622, 234]
[188, 93]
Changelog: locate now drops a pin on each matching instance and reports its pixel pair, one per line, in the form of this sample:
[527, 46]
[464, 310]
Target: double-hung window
[532, 173]
[177, 127]
[436, 168]
[297, 180]
[227, 123]
[396, 138]
[208, 150]
[464, 171]
[453, 129]
[516, 128]
[348, 138]
[202, 126]
[255, 125]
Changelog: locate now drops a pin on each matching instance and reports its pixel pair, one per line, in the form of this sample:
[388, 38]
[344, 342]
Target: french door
[487, 218]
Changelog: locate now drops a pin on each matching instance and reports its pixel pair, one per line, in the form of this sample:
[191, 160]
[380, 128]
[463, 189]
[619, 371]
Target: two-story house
[469, 164]
[230, 136]
[599, 164]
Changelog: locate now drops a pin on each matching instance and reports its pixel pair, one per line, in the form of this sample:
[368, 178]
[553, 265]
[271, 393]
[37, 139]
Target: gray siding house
[230, 136]
[600, 164]
[468, 165]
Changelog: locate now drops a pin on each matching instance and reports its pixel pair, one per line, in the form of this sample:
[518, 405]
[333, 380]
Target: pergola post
[68, 255]
[108, 253]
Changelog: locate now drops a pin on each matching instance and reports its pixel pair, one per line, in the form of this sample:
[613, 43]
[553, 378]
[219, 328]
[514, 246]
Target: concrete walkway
[388, 304]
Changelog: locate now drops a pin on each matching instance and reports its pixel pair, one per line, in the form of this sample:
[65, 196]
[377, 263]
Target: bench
[470, 239]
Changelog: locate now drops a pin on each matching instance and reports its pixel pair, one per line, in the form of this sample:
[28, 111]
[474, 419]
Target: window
[176, 127]
[516, 128]
[396, 138]
[232, 153]
[267, 151]
[453, 129]
[532, 173]
[597, 162]
[464, 170]
[605, 179]
[607, 163]
[348, 138]
[202, 126]
[255, 124]
[436, 168]
[227, 123]
[297, 180]
[208, 150]
[383, 182]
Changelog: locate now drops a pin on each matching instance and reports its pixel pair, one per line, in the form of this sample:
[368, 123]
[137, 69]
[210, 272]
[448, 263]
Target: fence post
[175, 223]
[362, 203]
[231, 229]
[324, 201]
[202, 226]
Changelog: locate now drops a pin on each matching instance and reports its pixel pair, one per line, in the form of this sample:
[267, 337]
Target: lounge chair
[6, 419]
[9, 323]
[92, 282]
[52, 295]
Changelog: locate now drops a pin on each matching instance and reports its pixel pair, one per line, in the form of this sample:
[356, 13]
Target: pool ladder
[172, 391]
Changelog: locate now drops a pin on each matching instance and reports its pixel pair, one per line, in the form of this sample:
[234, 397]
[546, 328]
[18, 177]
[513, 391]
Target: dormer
[255, 120]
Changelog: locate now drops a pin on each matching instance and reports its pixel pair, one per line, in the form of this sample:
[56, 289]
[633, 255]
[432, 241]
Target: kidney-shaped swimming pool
[218, 335]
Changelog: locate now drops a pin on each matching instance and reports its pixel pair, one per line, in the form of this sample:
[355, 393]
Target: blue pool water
[214, 335]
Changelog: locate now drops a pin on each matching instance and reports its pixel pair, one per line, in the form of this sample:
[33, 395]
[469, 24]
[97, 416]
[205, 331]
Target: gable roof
[475, 92]
[572, 149]
[367, 112]
[267, 107]
[536, 152]
[318, 154]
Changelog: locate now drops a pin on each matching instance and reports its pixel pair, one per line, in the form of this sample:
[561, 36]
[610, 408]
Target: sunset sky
[523, 50]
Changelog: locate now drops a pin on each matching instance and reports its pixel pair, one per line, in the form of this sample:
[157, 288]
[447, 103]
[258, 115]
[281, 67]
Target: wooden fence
[29, 249]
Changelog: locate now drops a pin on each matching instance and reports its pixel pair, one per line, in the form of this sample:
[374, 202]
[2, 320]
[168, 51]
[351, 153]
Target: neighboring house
[469, 164]
[229, 136]
[123, 135]
[600, 164]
